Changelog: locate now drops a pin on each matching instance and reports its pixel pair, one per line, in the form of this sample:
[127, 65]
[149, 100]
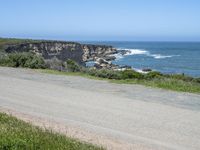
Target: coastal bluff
[81, 53]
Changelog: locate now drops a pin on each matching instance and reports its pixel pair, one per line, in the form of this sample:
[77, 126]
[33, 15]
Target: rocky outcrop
[146, 70]
[102, 55]
[92, 52]
[101, 63]
[80, 53]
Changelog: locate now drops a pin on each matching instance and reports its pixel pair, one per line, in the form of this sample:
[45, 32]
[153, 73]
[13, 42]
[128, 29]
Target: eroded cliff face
[49, 50]
[93, 52]
[80, 53]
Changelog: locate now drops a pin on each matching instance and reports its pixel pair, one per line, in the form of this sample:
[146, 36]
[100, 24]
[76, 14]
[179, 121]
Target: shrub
[197, 80]
[72, 66]
[181, 77]
[131, 74]
[55, 64]
[153, 74]
[110, 74]
[27, 60]
[89, 71]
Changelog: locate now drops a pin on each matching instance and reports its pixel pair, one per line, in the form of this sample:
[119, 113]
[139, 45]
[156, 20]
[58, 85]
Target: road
[115, 116]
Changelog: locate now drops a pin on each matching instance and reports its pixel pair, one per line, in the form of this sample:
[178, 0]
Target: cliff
[50, 49]
[80, 53]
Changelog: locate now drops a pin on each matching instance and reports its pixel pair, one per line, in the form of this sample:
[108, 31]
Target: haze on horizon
[125, 20]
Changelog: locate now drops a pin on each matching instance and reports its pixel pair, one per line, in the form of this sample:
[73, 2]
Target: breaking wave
[142, 52]
[135, 52]
[159, 56]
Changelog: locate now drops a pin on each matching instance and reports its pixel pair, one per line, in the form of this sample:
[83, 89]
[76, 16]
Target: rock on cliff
[92, 52]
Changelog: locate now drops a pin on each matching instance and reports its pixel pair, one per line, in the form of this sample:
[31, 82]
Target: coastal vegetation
[19, 135]
[26, 60]
[176, 82]
[8, 41]
[173, 82]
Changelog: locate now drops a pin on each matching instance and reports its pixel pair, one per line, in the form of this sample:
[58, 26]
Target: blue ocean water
[166, 57]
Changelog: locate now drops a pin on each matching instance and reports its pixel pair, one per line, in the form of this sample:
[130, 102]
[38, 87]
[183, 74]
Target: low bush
[181, 77]
[55, 64]
[153, 74]
[27, 60]
[197, 80]
[131, 74]
[110, 74]
[72, 66]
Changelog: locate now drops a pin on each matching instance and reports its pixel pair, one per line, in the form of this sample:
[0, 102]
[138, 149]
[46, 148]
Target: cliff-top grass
[19, 135]
[178, 83]
[12, 41]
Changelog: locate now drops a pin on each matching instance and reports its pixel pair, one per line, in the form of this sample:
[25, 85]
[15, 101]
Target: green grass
[81, 74]
[168, 83]
[9, 41]
[18, 135]
[5, 41]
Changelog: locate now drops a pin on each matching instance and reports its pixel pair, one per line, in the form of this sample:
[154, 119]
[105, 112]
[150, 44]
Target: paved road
[132, 114]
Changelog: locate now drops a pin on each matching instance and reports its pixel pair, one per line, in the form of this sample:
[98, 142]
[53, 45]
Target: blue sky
[127, 20]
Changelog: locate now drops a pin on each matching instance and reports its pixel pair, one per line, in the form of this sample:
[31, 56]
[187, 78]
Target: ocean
[166, 57]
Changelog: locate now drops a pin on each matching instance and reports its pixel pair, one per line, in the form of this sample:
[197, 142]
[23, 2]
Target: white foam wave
[139, 70]
[130, 52]
[136, 52]
[142, 52]
[118, 56]
[159, 56]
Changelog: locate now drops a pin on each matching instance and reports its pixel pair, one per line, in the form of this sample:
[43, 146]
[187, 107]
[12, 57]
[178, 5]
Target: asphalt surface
[143, 117]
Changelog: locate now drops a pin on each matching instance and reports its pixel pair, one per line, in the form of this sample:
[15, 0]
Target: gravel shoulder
[112, 115]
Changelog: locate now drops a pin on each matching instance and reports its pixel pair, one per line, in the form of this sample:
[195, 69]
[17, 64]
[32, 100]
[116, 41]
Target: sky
[101, 20]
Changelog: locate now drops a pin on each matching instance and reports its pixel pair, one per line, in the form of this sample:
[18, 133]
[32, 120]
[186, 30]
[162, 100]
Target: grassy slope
[4, 41]
[169, 84]
[165, 83]
[10, 41]
[18, 135]
[7, 41]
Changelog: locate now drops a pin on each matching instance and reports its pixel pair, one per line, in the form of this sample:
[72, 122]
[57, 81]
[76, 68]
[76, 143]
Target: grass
[9, 41]
[164, 82]
[81, 74]
[168, 84]
[18, 135]
[5, 41]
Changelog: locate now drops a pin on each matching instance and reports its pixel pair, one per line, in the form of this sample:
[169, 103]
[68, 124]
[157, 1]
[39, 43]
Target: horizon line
[50, 39]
